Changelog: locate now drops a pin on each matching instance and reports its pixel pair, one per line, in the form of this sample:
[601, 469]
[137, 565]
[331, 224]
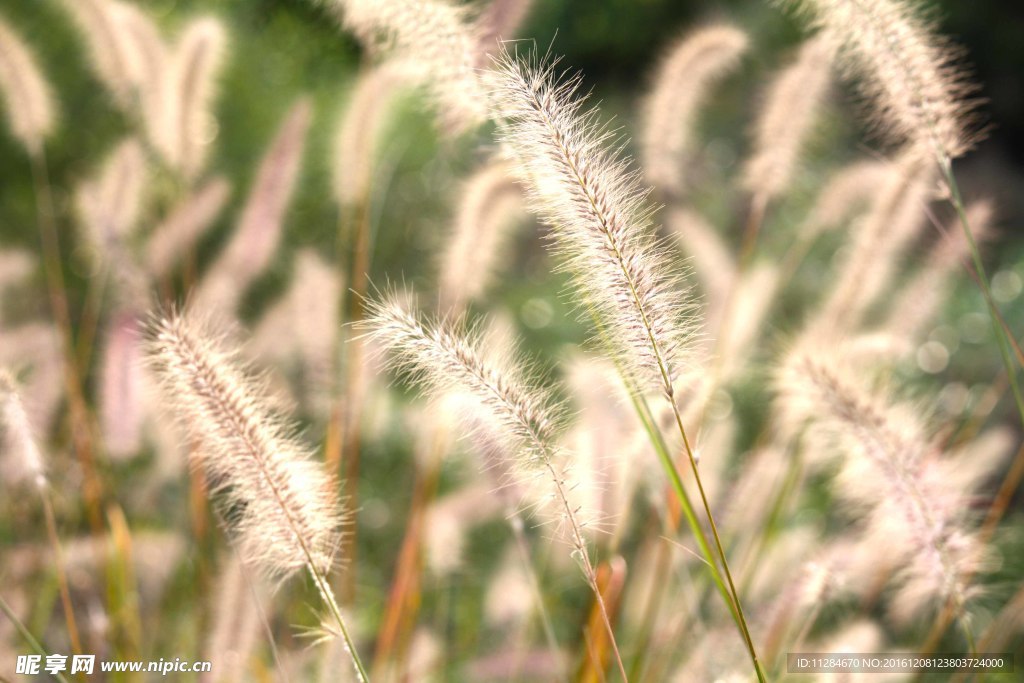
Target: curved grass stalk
[27, 635]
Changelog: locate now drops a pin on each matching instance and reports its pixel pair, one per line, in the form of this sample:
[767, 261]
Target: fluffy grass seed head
[277, 502]
[910, 74]
[255, 241]
[113, 51]
[437, 40]
[490, 203]
[498, 21]
[20, 459]
[109, 204]
[122, 386]
[184, 133]
[891, 477]
[441, 357]
[690, 68]
[30, 108]
[599, 215]
[786, 120]
[361, 129]
[185, 224]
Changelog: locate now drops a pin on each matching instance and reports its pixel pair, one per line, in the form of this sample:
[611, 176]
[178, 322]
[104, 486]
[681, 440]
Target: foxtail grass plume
[25, 91]
[122, 386]
[279, 505]
[441, 358]
[255, 240]
[690, 68]
[603, 437]
[360, 130]
[36, 346]
[509, 597]
[599, 215]
[754, 298]
[787, 118]
[184, 131]
[891, 477]
[148, 59]
[434, 38]
[448, 523]
[113, 51]
[844, 194]
[910, 74]
[713, 264]
[489, 205]
[20, 459]
[169, 87]
[302, 327]
[236, 626]
[877, 243]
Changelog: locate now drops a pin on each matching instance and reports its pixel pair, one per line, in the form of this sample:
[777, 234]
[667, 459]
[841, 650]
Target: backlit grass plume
[909, 73]
[183, 132]
[599, 214]
[25, 91]
[489, 206]
[891, 476]
[279, 505]
[436, 40]
[787, 118]
[20, 460]
[256, 239]
[690, 68]
[441, 357]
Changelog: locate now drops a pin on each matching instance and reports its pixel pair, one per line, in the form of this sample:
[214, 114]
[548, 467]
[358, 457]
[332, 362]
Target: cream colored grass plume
[114, 52]
[183, 132]
[436, 41]
[786, 120]
[919, 301]
[690, 68]
[498, 22]
[25, 91]
[878, 243]
[167, 87]
[184, 225]
[256, 239]
[847, 190]
[910, 74]
[279, 505]
[20, 459]
[442, 357]
[599, 213]
[361, 128]
[490, 204]
[282, 506]
[893, 476]
[110, 203]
